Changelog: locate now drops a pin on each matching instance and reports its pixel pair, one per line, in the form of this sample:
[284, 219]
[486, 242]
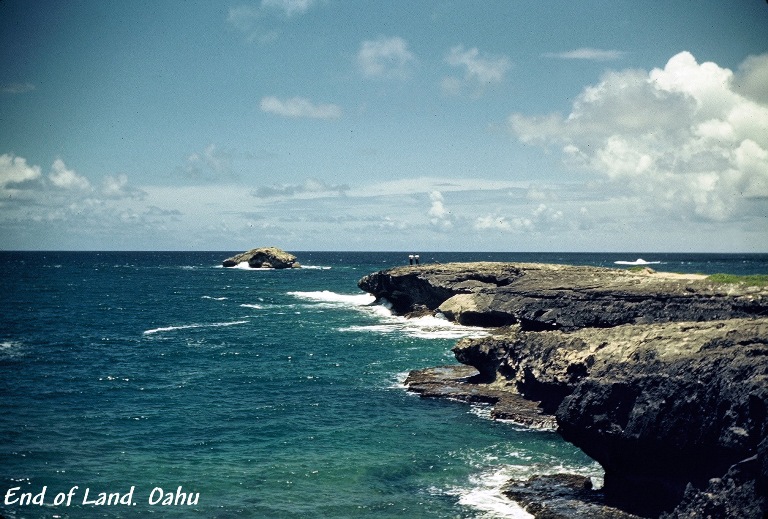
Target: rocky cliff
[661, 378]
[560, 297]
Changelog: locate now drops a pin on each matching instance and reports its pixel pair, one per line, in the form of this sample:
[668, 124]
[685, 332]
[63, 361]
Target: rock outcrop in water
[661, 378]
[265, 257]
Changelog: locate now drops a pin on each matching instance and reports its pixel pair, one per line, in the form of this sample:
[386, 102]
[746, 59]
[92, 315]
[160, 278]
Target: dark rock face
[659, 406]
[737, 494]
[663, 379]
[265, 257]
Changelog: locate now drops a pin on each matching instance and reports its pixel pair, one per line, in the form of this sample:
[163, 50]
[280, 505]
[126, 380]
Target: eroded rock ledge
[663, 379]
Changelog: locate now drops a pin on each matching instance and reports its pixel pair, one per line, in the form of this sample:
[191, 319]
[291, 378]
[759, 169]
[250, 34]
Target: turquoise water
[263, 394]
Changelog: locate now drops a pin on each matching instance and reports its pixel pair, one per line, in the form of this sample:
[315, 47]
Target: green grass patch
[757, 280]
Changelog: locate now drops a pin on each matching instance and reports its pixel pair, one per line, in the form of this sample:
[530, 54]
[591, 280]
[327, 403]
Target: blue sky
[360, 125]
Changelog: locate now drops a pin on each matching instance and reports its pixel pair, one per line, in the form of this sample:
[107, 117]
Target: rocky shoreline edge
[661, 378]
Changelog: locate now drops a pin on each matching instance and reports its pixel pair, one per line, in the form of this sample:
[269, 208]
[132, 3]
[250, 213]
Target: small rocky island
[264, 258]
[661, 378]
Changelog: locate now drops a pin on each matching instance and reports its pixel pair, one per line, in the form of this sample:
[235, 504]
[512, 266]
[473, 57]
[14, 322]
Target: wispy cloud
[117, 186]
[243, 17]
[479, 70]
[252, 20]
[409, 186]
[311, 186]
[299, 107]
[16, 88]
[289, 7]
[587, 53]
[211, 163]
[385, 58]
[249, 20]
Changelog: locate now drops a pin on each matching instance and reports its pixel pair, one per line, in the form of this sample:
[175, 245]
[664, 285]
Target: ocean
[159, 384]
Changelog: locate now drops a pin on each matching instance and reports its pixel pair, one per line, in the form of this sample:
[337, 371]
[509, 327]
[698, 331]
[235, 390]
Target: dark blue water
[262, 394]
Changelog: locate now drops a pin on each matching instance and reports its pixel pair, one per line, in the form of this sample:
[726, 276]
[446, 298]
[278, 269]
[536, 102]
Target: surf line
[188, 326]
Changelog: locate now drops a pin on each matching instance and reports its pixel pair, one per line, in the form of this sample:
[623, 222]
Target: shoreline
[660, 377]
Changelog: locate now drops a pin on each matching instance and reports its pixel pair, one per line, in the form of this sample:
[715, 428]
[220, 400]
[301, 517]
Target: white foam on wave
[215, 298]
[10, 349]
[243, 265]
[533, 463]
[248, 305]
[638, 261]
[195, 325]
[483, 493]
[326, 296]
[496, 465]
[484, 489]
[483, 410]
[427, 327]
[398, 380]
[315, 267]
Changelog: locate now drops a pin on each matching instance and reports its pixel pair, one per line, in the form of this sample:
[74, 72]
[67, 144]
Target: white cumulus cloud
[385, 58]
[681, 138]
[479, 70]
[439, 216]
[14, 170]
[62, 204]
[65, 178]
[484, 69]
[751, 79]
[543, 218]
[299, 107]
[494, 222]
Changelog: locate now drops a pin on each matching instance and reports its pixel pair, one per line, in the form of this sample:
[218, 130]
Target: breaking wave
[427, 327]
[336, 299]
[189, 326]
